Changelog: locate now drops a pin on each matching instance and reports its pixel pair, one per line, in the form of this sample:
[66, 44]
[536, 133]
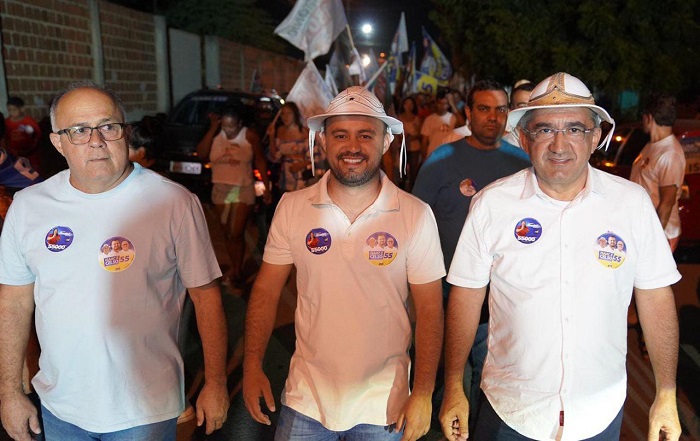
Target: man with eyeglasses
[555, 367]
[110, 367]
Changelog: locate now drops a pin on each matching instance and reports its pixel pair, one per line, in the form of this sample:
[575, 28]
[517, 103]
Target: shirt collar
[594, 185]
[387, 200]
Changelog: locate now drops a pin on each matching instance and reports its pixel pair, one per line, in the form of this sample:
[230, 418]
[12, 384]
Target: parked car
[628, 141]
[189, 121]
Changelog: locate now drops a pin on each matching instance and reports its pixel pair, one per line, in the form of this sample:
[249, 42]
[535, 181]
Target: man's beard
[355, 179]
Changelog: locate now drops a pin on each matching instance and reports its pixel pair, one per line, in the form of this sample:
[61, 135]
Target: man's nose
[96, 139]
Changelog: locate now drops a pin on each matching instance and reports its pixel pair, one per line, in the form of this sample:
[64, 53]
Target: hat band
[558, 96]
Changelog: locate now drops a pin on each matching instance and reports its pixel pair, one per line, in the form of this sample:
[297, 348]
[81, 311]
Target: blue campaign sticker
[527, 230]
[58, 239]
[318, 241]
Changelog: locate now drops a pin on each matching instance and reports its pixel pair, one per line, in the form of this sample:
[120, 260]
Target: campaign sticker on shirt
[467, 187]
[116, 254]
[610, 250]
[318, 241]
[58, 239]
[381, 248]
[527, 230]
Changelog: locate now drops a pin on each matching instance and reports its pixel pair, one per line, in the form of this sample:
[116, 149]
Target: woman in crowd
[289, 144]
[143, 140]
[232, 149]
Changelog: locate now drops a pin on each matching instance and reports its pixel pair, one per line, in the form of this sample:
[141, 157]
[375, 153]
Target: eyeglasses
[81, 135]
[575, 134]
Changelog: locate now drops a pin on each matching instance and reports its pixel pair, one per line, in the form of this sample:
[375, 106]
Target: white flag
[330, 82]
[399, 44]
[312, 25]
[310, 92]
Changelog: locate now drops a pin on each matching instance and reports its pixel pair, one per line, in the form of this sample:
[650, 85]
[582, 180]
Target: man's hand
[454, 415]
[19, 417]
[415, 417]
[256, 385]
[212, 406]
[664, 424]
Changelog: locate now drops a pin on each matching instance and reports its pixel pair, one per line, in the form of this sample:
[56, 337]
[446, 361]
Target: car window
[634, 144]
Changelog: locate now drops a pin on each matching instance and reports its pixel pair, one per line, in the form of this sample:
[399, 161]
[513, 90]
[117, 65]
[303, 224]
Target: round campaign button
[381, 248]
[318, 241]
[610, 250]
[58, 239]
[527, 230]
[116, 254]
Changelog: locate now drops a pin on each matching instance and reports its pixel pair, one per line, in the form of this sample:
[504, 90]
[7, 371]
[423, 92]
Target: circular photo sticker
[610, 250]
[381, 248]
[527, 230]
[467, 187]
[58, 239]
[116, 254]
[318, 241]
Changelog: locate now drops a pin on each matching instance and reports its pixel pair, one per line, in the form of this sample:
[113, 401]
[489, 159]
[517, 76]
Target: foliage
[637, 45]
[236, 20]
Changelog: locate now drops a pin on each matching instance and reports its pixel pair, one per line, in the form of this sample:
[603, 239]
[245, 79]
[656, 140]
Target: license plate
[188, 168]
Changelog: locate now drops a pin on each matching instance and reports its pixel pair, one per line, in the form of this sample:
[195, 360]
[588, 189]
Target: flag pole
[376, 74]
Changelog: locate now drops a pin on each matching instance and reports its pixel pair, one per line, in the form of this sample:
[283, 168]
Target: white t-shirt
[438, 128]
[353, 332]
[558, 301]
[661, 164]
[107, 323]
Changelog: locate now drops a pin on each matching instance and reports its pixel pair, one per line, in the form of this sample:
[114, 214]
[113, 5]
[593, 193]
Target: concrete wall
[46, 44]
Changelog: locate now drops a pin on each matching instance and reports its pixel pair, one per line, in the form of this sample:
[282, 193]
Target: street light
[366, 29]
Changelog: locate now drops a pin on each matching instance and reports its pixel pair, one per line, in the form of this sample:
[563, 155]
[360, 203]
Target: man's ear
[56, 141]
[388, 138]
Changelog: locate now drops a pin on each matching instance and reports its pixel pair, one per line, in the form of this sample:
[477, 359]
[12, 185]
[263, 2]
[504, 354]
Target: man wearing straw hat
[349, 375]
[555, 367]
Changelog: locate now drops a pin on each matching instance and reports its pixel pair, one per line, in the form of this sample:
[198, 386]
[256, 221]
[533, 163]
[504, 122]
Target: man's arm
[427, 299]
[667, 199]
[212, 402]
[259, 323]
[463, 312]
[260, 163]
[659, 320]
[18, 413]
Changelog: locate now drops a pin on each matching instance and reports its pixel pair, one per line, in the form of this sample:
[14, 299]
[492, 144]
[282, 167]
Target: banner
[312, 25]
[310, 92]
[434, 62]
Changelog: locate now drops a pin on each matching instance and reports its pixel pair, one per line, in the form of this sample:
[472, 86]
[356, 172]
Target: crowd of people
[511, 249]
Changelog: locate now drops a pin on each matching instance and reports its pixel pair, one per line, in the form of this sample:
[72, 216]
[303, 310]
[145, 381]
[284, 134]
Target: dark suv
[628, 141]
[189, 121]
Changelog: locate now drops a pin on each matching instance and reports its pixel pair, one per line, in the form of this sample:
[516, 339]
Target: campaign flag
[356, 67]
[380, 88]
[310, 92]
[330, 82]
[425, 83]
[399, 45]
[339, 69]
[434, 62]
[312, 25]
[409, 85]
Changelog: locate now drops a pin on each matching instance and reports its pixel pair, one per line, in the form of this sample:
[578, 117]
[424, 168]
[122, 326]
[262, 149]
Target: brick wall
[128, 45]
[46, 44]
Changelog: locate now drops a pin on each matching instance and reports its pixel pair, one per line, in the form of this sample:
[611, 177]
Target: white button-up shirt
[559, 297]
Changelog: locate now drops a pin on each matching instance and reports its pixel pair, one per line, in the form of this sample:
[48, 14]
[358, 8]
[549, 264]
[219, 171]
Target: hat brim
[515, 115]
[315, 123]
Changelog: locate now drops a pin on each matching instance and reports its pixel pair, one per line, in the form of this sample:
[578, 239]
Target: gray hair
[85, 84]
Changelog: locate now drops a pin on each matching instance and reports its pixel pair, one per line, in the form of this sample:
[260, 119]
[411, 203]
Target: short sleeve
[13, 264]
[471, 263]
[278, 249]
[425, 262]
[196, 260]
